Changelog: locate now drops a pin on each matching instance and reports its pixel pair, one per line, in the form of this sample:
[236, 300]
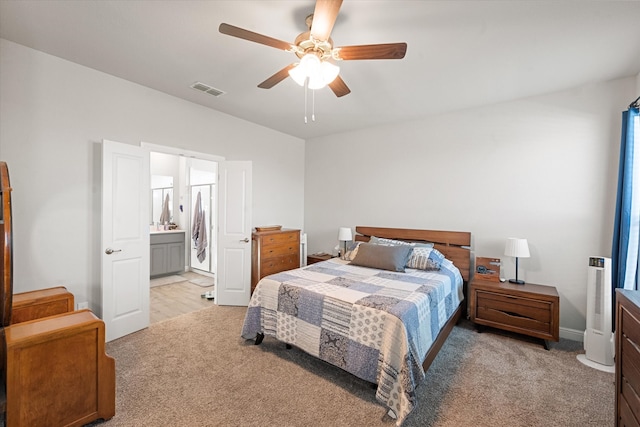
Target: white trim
[572, 334]
[180, 152]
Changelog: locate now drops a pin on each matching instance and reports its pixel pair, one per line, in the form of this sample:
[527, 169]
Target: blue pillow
[429, 259]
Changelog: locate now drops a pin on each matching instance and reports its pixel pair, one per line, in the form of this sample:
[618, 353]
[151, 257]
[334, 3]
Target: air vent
[207, 89]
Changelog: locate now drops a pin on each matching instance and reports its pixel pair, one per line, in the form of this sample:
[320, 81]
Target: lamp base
[516, 281]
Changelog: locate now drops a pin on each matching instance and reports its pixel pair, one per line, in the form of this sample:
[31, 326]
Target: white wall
[543, 168]
[54, 115]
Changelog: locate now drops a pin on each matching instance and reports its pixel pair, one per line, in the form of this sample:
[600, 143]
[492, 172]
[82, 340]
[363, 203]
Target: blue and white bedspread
[376, 324]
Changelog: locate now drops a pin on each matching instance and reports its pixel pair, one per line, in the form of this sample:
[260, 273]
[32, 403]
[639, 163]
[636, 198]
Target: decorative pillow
[429, 259]
[388, 242]
[392, 258]
[352, 250]
[391, 242]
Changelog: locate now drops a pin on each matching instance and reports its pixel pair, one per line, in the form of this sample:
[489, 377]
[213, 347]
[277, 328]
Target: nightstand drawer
[535, 310]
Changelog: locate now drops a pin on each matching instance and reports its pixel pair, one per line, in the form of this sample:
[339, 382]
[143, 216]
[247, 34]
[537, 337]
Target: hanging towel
[199, 229]
[195, 224]
[164, 216]
[201, 245]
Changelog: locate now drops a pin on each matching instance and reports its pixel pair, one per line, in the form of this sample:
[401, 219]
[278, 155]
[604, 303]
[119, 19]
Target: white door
[233, 284]
[125, 238]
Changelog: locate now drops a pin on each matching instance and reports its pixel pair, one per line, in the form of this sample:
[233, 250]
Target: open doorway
[177, 182]
[126, 233]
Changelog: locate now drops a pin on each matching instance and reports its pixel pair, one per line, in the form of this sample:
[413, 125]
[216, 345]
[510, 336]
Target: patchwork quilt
[375, 324]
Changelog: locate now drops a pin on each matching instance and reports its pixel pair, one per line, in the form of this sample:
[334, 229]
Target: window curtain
[626, 233]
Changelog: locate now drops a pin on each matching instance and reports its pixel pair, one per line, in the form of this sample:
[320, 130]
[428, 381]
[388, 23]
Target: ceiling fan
[315, 49]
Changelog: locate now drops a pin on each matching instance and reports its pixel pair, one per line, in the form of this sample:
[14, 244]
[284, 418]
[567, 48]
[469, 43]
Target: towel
[201, 245]
[199, 229]
[164, 216]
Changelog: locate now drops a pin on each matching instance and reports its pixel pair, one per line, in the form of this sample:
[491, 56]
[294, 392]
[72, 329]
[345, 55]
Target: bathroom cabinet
[167, 252]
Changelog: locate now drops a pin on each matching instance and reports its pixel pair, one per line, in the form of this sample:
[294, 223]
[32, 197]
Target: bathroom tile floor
[182, 296]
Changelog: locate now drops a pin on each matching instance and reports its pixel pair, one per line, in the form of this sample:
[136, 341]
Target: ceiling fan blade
[324, 16]
[372, 51]
[339, 87]
[276, 78]
[241, 33]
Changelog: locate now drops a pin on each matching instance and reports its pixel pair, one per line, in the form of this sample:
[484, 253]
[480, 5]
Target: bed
[381, 325]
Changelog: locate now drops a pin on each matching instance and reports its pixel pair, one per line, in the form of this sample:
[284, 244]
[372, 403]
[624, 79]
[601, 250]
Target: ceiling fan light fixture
[298, 74]
[329, 72]
[320, 73]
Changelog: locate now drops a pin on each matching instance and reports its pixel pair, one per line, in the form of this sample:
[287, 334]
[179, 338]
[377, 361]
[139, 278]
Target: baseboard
[572, 334]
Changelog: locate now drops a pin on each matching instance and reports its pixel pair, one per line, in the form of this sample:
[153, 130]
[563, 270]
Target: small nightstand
[528, 309]
[313, 258]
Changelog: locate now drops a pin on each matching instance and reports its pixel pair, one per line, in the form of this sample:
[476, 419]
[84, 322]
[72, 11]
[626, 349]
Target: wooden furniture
[528, 309]
[43, 303]
[454, 245]
[273, 252]
[313, 258]
[167, 252]
[627, 358]
[55, 371]
[322, 304]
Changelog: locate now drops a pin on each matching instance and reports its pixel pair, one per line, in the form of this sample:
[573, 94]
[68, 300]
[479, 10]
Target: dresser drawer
[626, 417]
[630, 327]
[278, 264]
[630, 375]
[280, 239]
[282, 249]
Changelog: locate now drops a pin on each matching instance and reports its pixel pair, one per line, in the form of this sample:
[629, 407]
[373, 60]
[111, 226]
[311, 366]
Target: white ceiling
[460, 54]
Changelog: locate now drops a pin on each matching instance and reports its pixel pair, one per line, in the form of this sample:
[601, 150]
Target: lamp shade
[516, 247]
[344, 234]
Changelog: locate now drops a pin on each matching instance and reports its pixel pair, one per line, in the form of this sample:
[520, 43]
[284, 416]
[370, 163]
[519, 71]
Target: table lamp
[344, 235]
[518, 248]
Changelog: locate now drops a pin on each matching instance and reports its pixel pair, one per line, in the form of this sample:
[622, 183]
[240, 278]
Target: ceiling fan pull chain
[313, 106]
[305, 100]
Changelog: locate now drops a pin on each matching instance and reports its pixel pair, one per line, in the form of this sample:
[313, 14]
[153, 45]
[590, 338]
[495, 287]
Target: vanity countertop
[152, 231]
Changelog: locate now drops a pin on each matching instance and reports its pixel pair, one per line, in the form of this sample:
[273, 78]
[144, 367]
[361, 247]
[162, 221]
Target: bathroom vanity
[167, 252]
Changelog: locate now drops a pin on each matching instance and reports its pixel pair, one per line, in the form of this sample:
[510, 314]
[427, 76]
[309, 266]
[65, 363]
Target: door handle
[109, 251]
[246, 240]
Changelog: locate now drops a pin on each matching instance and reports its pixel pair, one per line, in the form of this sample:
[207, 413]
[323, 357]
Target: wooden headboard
[455, 245]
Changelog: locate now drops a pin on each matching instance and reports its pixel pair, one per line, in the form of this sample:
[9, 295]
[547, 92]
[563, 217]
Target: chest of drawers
[627, 358]
[273, 252]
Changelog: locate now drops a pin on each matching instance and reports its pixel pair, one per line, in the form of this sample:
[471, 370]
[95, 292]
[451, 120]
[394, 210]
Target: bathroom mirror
[161, 193]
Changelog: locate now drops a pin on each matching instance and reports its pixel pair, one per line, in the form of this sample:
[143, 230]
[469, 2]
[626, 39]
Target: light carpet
[195, 370]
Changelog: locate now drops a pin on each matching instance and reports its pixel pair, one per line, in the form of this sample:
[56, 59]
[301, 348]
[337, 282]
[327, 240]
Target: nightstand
[528, 309]
[313, 258]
